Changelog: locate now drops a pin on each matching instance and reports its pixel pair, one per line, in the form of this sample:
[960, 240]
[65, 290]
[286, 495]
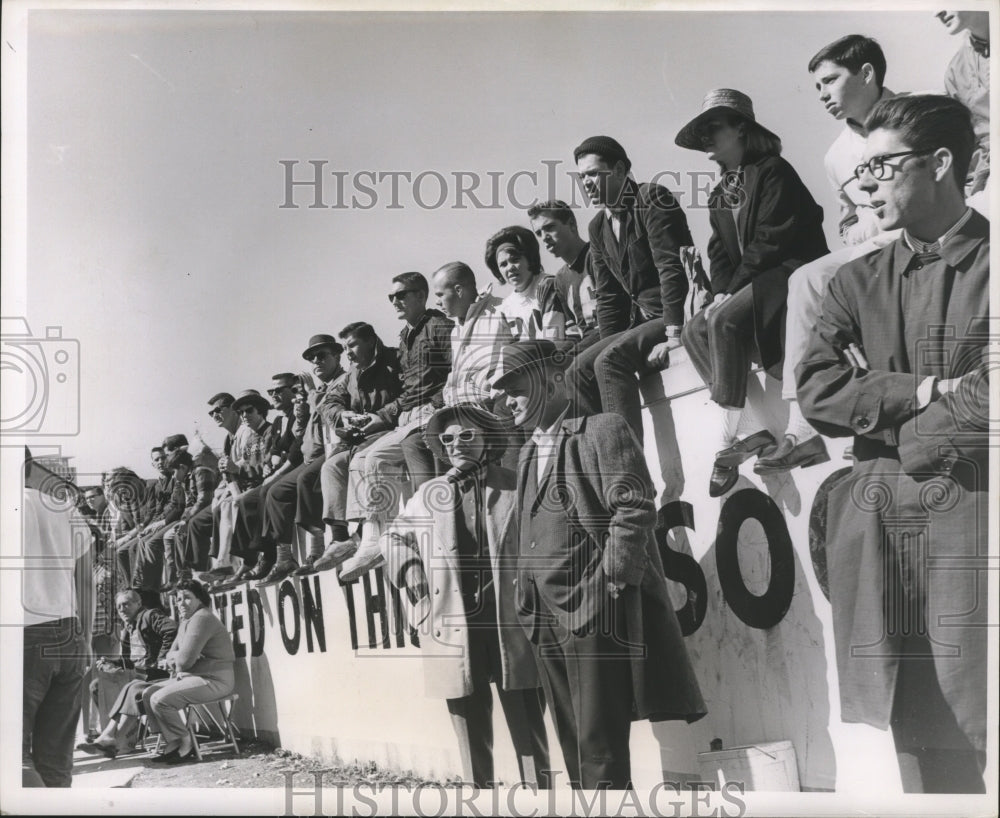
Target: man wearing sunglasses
[424, 361]
[899, 361]
[199, 539]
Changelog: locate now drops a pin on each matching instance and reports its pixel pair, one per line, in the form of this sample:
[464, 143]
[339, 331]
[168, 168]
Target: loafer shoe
[790, 455]
[336, 554]
[278, 572]
[95, 748]
[743, 450]
[362, 562]
[723, 478]
[307, 567]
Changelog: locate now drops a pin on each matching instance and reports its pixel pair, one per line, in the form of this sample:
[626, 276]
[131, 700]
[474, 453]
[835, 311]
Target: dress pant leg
[147, 569]
[554, 675]
[309, 496]
[472, 718]
[581, 382]
[420, 462]
[694, 337]
[198, 539]
[333, 479]
[524, 711]
[620, 365]
[165, 701]
[171, 557]
[730, 341]
[278, 517]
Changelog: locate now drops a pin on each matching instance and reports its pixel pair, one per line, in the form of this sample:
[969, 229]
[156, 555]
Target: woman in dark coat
[765, 224]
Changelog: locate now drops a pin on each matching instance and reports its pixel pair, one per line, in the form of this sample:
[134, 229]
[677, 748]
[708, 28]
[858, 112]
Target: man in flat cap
[635, 244]
[591, 592]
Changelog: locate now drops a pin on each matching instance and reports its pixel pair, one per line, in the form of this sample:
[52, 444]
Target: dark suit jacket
[780, 228]
[641, 276]
[157, 631]
[599, 474]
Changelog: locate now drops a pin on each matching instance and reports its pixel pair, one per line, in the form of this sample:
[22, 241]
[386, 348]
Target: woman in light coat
[454, 553]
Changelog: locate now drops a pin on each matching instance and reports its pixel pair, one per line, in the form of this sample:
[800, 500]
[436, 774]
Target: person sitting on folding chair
[202, 667]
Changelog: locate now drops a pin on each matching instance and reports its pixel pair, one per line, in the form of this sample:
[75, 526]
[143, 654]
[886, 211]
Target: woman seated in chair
[201, 663]
[765, 224]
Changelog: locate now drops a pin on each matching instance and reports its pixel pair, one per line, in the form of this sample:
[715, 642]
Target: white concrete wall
[366, 702]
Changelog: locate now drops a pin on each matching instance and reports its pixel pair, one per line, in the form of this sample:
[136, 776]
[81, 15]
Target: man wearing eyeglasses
[424, 361]
[899, 361]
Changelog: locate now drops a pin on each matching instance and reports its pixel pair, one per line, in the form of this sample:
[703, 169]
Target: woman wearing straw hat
[454, 551]
[765, 224]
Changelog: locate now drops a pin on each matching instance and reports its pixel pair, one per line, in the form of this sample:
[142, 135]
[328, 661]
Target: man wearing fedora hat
[635, 256]
[591, 592]
[463, 605]
[250, 540]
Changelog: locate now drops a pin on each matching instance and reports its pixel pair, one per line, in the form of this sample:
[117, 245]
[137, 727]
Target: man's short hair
[92, 490]
[412, 281]
[128, 593]
[852, 52]
[556, 208]
[159, 449]
[458, 272]
[608, 150]
[361, 330]
[523, 239]
[926, 122]
[225, 397]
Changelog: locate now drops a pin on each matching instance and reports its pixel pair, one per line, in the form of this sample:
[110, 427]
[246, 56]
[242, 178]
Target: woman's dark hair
[926, 122]
[198, 591]
[523, 239]
[758, 142]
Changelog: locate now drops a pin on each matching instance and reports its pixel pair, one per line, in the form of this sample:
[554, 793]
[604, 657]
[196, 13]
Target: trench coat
[598, 473]
[919, 485]
[780, 228]
[426, 531]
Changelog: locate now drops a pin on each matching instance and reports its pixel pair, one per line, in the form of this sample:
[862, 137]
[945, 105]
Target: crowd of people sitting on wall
[489, 397]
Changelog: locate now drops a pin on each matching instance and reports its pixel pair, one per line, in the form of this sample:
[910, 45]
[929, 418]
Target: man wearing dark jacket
[635, 245]
[591, 591]
[146, 636]
[372, 382]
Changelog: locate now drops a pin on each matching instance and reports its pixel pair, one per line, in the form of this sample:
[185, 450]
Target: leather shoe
[743, 450]
[95, 748]
[307, 566]
[791, 454]
[278, 572]
[723, 478]
[176, 758]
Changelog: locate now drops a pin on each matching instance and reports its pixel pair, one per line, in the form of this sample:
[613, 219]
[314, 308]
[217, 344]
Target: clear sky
[155, 232]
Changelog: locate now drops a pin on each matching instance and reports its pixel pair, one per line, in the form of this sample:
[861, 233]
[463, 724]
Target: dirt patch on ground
[260, 765]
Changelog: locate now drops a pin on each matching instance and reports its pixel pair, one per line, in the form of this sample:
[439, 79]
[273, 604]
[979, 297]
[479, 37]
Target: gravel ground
[260, 765]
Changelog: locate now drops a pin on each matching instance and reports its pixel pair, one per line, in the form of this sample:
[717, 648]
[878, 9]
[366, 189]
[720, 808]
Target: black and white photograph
[498, 408]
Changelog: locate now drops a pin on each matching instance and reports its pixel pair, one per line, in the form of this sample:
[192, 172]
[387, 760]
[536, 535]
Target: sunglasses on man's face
[277, 390]
[465, 436]
[399, 295]
[218, 410]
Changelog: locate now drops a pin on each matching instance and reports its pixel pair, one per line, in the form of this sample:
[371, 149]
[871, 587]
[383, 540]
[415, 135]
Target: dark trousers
[588, 684]
[309, 496]
[197, 540]
[420, 463]
[604, 376]
[147, 562]
[472, 715]
[52, 696]
[247, 541]
[278, 518]
[720, 348]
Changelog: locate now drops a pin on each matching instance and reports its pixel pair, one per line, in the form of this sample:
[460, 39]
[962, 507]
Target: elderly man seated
[147, 635]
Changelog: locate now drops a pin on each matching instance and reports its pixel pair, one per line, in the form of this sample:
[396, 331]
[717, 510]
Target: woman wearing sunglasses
[765, 224]
[454, 553]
